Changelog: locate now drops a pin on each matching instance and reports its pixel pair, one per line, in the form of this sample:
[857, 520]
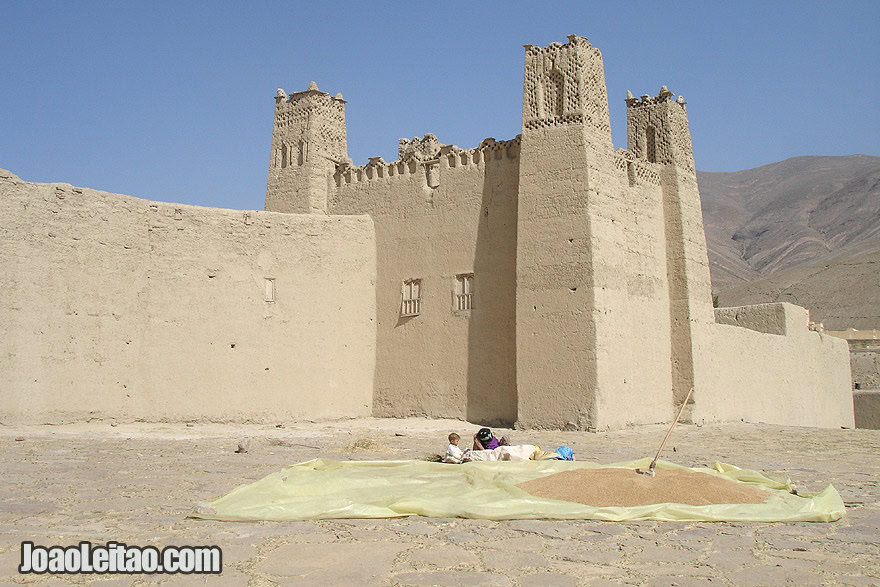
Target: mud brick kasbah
[545, 281]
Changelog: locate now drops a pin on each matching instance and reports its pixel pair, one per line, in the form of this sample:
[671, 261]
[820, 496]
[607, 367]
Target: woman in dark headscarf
[485, 440]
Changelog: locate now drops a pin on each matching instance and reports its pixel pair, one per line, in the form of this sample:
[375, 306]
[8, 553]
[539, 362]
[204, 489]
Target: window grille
[411, 298]
[464, 291]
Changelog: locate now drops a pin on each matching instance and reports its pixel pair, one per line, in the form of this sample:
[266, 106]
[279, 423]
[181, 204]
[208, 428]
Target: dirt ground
[136, 483]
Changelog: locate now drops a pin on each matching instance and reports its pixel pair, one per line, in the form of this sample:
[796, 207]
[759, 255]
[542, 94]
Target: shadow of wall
[491, 375]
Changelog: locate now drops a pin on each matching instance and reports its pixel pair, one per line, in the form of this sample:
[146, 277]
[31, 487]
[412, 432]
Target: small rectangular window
[411, 297]
[464, 291]
[270, 289]
[651, 140]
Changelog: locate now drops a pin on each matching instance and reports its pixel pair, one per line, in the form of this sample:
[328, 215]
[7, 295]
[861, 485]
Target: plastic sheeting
[326, 489]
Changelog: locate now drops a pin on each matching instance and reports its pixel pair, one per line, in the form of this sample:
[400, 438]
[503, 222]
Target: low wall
[867, 408]
[865, 367]
[117, 307]
[799, 378]
[767, 318]
[865, 363]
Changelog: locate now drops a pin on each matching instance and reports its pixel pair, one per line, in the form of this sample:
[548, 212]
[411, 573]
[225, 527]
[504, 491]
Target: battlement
[638, 171]
[647, 100]
[427, 147]
[426, 155]
[312, 91]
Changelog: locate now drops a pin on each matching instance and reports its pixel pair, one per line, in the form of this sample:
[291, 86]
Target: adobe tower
[603, 298]
[565, 156]
[657, 132]
[308, 141]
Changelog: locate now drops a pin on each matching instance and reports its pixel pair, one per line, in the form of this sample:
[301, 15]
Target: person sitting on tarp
[517, 452]
[453, 453]
[485, 440]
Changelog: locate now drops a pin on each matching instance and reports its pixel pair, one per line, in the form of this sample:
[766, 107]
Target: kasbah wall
[119, 308]
[511, 283]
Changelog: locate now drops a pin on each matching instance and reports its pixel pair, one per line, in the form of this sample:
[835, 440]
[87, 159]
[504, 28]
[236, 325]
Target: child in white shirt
[453, 453]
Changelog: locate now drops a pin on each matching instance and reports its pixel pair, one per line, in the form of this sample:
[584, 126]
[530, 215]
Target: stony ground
[136, 483]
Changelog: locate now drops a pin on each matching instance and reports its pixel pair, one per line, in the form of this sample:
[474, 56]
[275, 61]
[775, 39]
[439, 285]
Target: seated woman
[485, 440]
[488, 448]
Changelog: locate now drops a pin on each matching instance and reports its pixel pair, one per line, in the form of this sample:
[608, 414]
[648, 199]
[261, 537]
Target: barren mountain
[841, 294]
[801, 211]
[806, 229]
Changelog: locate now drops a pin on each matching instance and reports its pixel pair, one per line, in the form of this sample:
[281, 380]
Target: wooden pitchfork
[650, 470]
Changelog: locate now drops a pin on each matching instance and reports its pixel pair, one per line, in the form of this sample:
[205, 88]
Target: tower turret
[565, 164]
[564, 84]
[657, 129]
[308, 140]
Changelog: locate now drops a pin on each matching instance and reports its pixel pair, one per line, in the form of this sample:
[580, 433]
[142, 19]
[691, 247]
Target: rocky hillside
[841, 294]
[805, 230]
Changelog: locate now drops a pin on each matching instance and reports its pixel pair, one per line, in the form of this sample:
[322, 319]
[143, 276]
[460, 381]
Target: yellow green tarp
[327, 489]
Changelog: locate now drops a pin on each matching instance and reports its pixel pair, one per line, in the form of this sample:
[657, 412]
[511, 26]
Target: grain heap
[625, 488]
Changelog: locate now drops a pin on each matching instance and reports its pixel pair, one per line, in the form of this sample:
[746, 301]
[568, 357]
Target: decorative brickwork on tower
[565, 84]
[657, 129]
[308, 141]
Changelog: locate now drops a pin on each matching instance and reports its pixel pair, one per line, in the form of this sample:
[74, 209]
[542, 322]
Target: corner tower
[564, 85]
[658, 131]
[565, 161]
[308, 140]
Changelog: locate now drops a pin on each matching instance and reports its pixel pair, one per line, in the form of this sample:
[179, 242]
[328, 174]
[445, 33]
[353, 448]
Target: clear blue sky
[173, 101]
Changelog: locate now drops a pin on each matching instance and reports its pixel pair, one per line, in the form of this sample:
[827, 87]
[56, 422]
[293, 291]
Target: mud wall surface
[772, 369]
[865, 366]
[867, 408]
[437, 221]
[118, 307]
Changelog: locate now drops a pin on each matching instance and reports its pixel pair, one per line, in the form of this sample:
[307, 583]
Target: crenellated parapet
[647, 100]
[424, 148]
[637, 171]
[425, 157]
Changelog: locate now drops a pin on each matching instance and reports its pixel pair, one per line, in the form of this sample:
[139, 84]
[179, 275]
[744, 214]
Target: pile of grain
[626, 488]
